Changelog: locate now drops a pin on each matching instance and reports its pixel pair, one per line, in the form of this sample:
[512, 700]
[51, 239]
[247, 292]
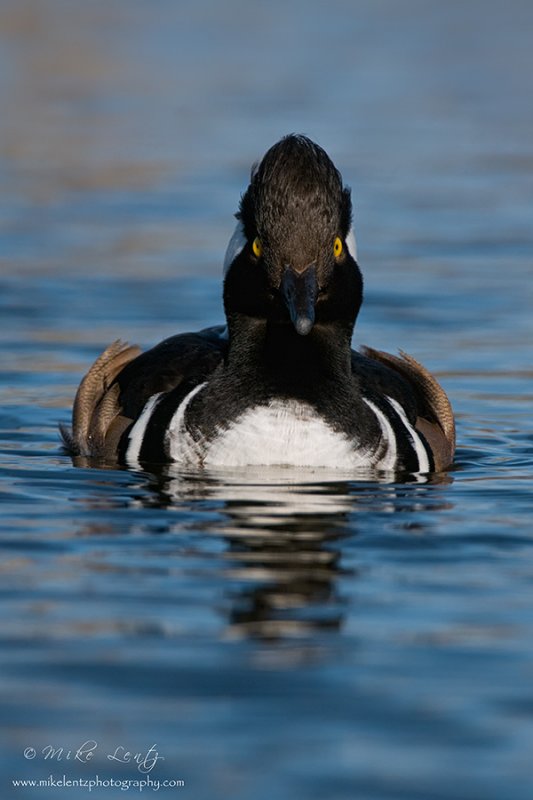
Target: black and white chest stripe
[161, 434]
[406, 447]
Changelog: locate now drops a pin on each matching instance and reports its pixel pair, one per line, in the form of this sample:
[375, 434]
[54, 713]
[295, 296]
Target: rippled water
[273, 634]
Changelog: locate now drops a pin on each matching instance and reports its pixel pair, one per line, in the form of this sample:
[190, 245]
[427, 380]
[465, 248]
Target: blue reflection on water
[275, 634]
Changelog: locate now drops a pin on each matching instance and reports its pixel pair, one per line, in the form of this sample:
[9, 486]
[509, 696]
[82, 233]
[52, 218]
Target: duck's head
[292, 257]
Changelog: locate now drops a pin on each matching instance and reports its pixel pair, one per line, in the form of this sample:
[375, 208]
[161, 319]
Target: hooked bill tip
[303, 325]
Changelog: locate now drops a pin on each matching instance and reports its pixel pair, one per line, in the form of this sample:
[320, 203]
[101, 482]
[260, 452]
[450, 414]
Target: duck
[279, 383]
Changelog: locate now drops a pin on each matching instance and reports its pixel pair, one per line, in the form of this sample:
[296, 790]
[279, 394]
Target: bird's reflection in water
[284, 529]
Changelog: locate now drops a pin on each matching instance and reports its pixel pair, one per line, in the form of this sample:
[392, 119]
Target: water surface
[274, 633]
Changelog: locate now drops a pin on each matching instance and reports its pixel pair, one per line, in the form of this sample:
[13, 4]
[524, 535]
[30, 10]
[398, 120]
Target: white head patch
[235, 246]
[351, 244]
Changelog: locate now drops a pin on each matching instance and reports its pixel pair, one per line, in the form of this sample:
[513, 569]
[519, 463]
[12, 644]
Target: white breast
[280, 433]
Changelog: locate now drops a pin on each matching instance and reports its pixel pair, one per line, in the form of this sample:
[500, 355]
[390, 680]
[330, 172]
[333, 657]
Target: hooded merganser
[279, 384]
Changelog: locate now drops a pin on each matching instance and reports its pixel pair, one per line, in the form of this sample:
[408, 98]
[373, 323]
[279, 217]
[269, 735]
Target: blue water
[269, 634]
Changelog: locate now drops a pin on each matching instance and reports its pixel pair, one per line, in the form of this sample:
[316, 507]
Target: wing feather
[435, 419]
[96, 402]
[123, 378]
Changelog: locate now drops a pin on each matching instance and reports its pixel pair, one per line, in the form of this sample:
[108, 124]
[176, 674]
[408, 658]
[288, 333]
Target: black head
[292, 257]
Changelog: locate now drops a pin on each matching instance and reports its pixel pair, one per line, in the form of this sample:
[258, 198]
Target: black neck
[277, 358]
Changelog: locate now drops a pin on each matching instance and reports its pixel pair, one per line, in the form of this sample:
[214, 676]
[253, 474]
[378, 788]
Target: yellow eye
[257, 247]
[337, 247]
